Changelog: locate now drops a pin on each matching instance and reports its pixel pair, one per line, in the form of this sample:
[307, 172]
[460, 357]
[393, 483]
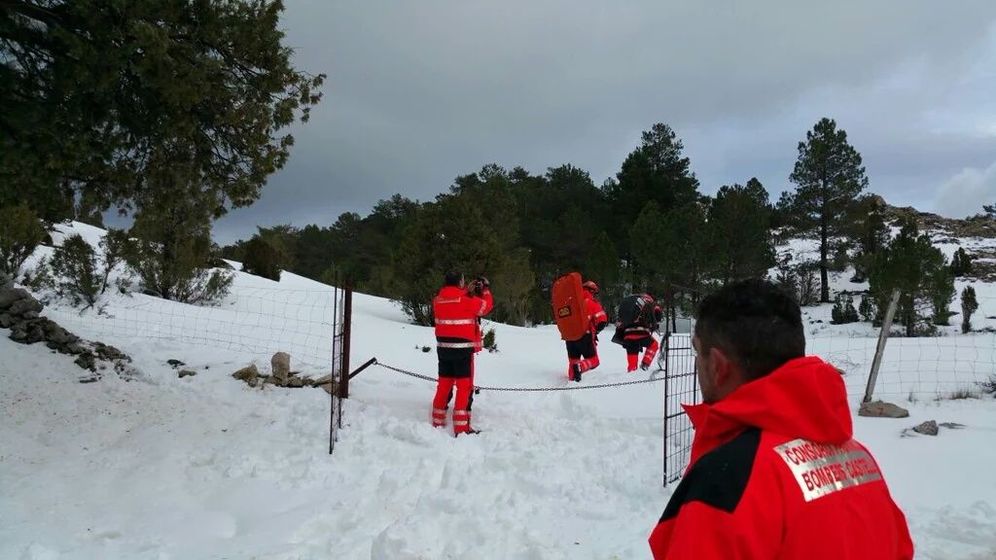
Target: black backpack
[635, 309]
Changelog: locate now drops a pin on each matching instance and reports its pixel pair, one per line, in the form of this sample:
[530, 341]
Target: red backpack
[569, 306]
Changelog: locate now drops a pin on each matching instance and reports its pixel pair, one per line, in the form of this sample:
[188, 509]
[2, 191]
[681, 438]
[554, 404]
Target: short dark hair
[755, 323]
[452, 278]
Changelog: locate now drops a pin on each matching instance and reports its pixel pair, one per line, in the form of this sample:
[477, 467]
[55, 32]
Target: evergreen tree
[739, 230]
[75, 271]
[843, 311]
[867, 309]
[20, 234]
[911, 264]
[682, 248]
[172, 251]
[961, 263]
[647, 235]
[261, 258]
[829, 177]
[868, 233]
[942, 293]
[969, 305]
[449, 234]
[97, 96]
[656, 171]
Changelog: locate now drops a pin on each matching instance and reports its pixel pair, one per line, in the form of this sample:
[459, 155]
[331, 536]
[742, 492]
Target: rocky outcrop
[20, 312]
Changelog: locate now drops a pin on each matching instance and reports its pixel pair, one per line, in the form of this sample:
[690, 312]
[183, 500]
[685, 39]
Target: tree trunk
[824, 277]
[909, 314]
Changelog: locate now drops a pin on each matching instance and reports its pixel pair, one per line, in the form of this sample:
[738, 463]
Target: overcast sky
[420, 92]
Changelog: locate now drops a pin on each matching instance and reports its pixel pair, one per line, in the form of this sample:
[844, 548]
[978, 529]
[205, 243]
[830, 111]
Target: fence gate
[677, 361]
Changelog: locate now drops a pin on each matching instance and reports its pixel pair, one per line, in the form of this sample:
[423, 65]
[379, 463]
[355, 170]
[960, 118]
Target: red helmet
[591, 286]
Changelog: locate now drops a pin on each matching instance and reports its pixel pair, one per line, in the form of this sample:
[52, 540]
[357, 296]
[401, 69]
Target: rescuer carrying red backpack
[582, 353]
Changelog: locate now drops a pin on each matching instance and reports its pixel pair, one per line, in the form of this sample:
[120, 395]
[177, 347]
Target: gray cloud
[965, 193]
[419, 92]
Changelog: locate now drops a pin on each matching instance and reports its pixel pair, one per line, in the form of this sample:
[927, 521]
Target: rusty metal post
[347, 328]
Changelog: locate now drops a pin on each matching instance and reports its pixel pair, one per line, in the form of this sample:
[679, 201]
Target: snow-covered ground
[206, 467]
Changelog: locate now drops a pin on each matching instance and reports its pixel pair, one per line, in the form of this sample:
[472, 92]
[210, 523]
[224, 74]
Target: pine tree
[911, 264]
[95, 95]
[868, 233]
[961, 263]
[829, 177]
[656, 171]
[20, 234]
[969, 305]
[739, 232]
[843, 311]
[647, 235]
[942, 292]
[172, 249]
[261, 258]
[684, 256]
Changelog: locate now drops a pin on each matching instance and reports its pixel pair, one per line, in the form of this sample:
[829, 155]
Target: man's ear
[724, 370]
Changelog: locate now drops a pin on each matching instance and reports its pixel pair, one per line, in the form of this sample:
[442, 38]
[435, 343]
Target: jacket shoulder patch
[822, 469]
[720, 477]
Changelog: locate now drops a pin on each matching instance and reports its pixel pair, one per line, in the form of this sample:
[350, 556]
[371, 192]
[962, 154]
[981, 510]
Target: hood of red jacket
[805, 398]
[451, 292]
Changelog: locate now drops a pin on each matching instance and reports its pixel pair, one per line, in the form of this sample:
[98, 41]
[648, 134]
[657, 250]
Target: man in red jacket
[582, 354]
[457, 312]
[775, 472]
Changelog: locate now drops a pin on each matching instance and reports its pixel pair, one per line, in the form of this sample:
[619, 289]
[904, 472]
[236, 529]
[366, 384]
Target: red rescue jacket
[597, 318]
[776, 474]
[456, 315]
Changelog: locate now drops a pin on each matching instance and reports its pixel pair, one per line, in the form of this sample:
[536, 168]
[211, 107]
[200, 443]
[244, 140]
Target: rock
[74, 348]
[58, 335]
[295, 382]
[89, 379]
[928, 428]
[281, 367]
[175, 363]
[248, 374]
[6, 320]
[880, 409]
[126, 371]
[109, 353]
[28, 332]
[322, 380]
[87, 360]
[10, 295]
[186, 372]
[19, 333]
[24, 306]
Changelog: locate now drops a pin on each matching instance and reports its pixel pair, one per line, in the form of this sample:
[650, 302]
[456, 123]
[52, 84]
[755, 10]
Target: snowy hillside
[206, 467]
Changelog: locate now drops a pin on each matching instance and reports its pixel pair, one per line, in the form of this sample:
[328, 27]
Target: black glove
[484, 282]
[600, 326]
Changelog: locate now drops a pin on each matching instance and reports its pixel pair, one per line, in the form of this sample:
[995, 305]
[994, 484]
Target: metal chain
[528, 389]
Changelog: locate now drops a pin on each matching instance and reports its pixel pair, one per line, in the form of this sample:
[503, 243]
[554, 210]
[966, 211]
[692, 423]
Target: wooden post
[883, 337]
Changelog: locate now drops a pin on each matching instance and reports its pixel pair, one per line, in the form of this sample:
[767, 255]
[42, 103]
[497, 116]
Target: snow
[206, 467]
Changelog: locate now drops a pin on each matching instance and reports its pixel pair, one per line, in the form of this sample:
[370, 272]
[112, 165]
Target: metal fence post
[333, 387]
[347, 328]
